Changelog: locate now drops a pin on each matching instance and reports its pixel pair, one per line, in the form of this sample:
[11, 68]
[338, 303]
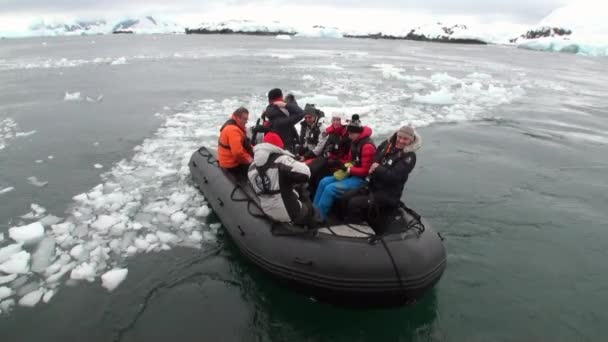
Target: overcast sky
[520, 11]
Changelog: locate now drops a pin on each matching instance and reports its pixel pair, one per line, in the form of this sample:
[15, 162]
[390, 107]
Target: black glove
[335, 164]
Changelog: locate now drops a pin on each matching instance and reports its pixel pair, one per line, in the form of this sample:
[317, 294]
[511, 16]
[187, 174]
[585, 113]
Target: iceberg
[111, 279]
[28, 233]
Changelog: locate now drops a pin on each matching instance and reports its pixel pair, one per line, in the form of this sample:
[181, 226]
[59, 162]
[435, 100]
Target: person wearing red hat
[280, 182]
[234, 151]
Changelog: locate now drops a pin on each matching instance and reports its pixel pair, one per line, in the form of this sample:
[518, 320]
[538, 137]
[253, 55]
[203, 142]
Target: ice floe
[9, 130]
[27, 234]
[36, 182]
[72, 96]
[98, 166]
[5, 191]
[111, 279]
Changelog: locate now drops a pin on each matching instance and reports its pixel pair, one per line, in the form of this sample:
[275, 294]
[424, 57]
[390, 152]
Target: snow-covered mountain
[577, 28]
[142, 25]
[145, 25]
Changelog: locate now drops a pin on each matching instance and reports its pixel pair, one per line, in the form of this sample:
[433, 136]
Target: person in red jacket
[351, 175]
[234, 151]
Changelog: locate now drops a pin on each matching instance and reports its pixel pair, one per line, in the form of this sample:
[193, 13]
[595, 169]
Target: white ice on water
[27, 234]
[9, 130]
[75, 96]
[5, 191]
[36, 182]
[98, 166]
[283, 37]
[119, 61]
[111, 279]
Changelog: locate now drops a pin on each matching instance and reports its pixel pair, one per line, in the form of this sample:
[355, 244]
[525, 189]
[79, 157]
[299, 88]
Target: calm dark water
[512, 172]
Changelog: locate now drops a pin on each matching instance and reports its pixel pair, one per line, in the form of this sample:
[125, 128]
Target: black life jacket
[262, 180]
[310, 135]
[246, 142]
[356, 147]
[336, 144]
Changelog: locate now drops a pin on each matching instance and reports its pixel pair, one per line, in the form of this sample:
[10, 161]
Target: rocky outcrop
[435, 33]
[542, 32]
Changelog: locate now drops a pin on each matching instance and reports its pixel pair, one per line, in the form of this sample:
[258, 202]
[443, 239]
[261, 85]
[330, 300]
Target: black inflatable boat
[345, 264]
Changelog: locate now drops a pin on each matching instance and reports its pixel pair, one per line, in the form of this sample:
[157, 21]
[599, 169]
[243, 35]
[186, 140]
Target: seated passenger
[311, 142]
[331, 151]
[280, 182]
[234, 151]
[351, 175]
[392, 165]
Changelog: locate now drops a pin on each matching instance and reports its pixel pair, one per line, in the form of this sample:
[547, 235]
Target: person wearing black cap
[393, 162]
[351, 175]
[311, 142]
[282, 115]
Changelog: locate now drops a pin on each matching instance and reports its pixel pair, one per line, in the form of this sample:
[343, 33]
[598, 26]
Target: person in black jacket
[393, 162]
[283, 116]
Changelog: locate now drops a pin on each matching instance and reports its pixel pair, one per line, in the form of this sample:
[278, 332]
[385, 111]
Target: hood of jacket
[262, 151]
[412, 147]
[367, 132]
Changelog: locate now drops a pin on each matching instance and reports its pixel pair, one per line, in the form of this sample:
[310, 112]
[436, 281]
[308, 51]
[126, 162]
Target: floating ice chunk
[119, 61]
[6, 190]
[196, 236]
[6, 305]
[97, 99]
[104, 222]
[82, 272]
[167, 238]
[50, 220]
[96, 143]
[111, 279]
[7, 279]
[80, 198]
[31, 299]
[38, 209]
[308, 78]
[131, 250]
[42, 257]
[98, 166]
[51, 157]
[36, 182]
[479, 75]
[178, 217]
[439, 97]
[48, 295]
[28, 233]
[141, 244]
[72, 96]
[53, 278]
[25, 134]
[203, 211]
[6, 252]
[283, 37]
[39, 161]
[5, 292]
[17, 263]
[215, 226]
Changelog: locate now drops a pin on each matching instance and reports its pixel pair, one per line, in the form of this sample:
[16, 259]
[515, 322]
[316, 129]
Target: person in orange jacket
[234, 150]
